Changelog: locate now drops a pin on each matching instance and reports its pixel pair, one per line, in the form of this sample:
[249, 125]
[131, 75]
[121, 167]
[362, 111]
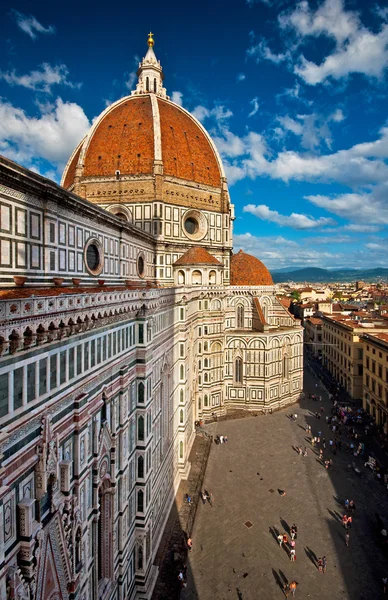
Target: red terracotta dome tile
[123, 141]
[197, 256]
[246, 269]
[186, 151]
[70, 174]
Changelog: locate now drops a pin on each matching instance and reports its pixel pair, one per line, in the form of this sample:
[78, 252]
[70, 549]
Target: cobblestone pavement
[231, 560]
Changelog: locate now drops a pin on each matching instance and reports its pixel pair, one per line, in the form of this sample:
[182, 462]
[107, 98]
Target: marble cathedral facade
[124, 318]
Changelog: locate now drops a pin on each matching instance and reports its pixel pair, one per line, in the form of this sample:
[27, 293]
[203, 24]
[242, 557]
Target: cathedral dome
[246, 269]
[133, 133]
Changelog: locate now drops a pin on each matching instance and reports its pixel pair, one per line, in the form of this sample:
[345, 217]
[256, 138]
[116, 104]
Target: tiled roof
[314, 320]
[380, 336]
[197, 256]
[17, 293]
[69, 179]
[124, 140]
[186, 152]
[246, 269]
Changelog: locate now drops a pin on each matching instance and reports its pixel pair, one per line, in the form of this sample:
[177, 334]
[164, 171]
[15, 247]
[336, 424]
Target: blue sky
[294, 94]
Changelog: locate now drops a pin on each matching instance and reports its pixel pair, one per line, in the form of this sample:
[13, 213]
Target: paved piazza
[230, 560]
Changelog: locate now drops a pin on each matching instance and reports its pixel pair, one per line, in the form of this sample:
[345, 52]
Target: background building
[375, 382]
[343, 349]
[125, 317]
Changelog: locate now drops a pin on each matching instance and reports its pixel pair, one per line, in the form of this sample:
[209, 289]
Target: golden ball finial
[150, 40]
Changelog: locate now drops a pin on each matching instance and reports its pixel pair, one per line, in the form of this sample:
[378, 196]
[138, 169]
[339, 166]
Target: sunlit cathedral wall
[125, 318]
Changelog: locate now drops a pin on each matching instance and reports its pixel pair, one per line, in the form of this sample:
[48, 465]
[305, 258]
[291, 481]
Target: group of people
[206, 497]
[289, 545]
[302, 452]
[221, 439]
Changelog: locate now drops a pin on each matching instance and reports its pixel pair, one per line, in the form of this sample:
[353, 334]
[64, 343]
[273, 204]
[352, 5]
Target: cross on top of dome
[150, 73]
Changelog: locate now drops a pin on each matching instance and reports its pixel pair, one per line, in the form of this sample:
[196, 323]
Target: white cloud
[52, 135]
[382, 12]
[219, 113]
[131, 76]
[359, 228]
[337, 116]
[329, 19]
[255, 105]
[261, 51]
[312, 128]
[40, 80]
[293, 93]
[361, 165]
[295, 220]
[358, 50]
[367, 54]
[277, 252]
[30, 25]
[177, 97]
[241, 77]
[371, 208]
[323, 240]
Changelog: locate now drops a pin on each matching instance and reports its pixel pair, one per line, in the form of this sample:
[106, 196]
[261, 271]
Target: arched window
[196, 278]
[206, 363]
[140, 502]
[147, 84]
[206, 400]
[140, 467]
[180, 449]
[181, 396]
[155, 85]
[205, 347]
[140, 392]
[238, 372]
[199, 348]
[181, 416]
[240, 317]
[181, 278]
[206, 378]
[212, 278]
[199, 403]
[200, 365]
[182, 373]
[140, 428]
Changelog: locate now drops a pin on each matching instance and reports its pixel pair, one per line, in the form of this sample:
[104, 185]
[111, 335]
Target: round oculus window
[140, 265]
[194, 225]
[93, 257]
[191, 225]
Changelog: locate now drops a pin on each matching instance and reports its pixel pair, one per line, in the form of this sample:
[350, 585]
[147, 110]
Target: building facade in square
[125, 317]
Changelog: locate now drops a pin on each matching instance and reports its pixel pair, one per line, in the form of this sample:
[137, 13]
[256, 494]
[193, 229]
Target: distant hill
[316, 275]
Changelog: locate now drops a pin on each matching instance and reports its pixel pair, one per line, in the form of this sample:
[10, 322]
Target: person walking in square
[293, 586]
[292, 554]
[345, 521]
[347, 536]
[280, 539]
[324, 564]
